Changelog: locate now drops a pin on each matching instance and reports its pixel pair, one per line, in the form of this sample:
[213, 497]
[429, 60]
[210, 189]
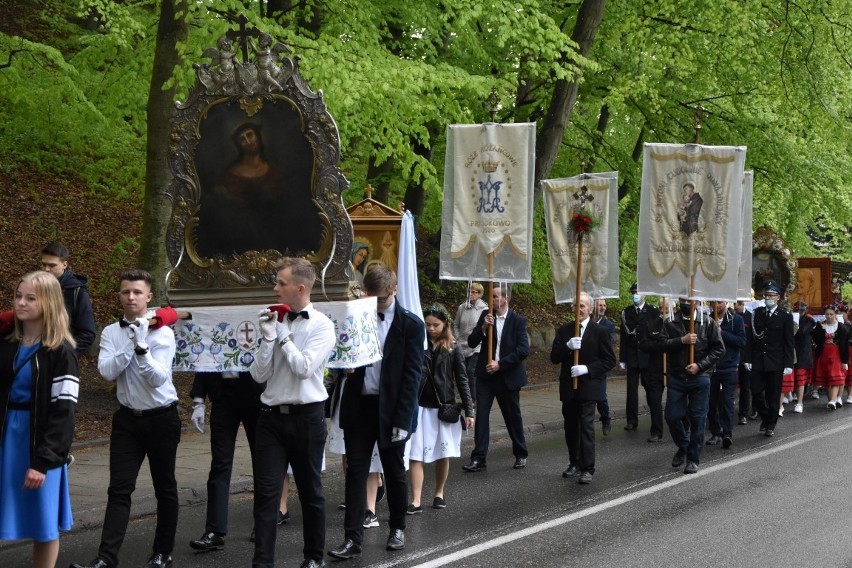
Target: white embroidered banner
[597, 195]
[486, 231]
[747, 247]
[226, 338]
[690, 220]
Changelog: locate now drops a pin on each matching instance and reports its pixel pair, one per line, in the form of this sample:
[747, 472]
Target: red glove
[164, 316]
[7, 322]
[281, 310]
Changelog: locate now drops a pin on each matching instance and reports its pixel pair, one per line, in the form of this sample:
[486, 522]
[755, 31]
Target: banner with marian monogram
[597, 196]
[691, 221]
[225, 338]
[486, 230]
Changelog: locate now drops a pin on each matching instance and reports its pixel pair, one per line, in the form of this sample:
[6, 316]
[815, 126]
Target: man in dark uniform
[599, 317]
[771, 356]
[236, 399]
[632, 359]
[578, 403]
[744, 375]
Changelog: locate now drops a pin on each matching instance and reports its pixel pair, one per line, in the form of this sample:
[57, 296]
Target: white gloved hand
[198, 415]
[574, 343]
[268, 329]
[788, 371]
[138, 330]
[747, 366]
[622, 366]
[398, 434]
[579, 370]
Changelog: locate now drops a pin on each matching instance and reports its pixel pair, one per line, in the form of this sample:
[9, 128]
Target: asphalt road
[774, 502]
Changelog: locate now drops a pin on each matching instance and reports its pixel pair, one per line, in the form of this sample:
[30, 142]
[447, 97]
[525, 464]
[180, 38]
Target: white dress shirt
[373, 374]
[142, 382]
[293, 372]
[499, 322]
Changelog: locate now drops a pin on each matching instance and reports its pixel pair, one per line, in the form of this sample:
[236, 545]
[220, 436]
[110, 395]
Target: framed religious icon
[772, 260]
[814, 284]
[254, 155]
[376, 229]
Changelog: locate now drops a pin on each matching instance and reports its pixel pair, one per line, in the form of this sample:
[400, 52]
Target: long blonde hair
[56, 326]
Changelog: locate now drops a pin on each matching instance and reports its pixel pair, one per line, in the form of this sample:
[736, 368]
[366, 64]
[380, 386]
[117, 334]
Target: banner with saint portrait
[747, 247]
[486, 229]
[596, 195]
[690, 221]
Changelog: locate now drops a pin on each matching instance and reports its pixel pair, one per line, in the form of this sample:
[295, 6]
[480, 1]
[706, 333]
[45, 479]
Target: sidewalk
[89, 476]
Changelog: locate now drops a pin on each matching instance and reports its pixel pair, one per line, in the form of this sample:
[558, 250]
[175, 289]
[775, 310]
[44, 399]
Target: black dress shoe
[630, 426]
[309, 563]
[159, 560]
[396, 540]
[346, 551]
[520, 463]
[769, 432]
[726, 442]
[714, 440]
[691, 467]
[679, 458]
[571, 471]
[208, 541]
[474, 465]
[655, 439]
[96, 563]
[585, 478]
[607, 428]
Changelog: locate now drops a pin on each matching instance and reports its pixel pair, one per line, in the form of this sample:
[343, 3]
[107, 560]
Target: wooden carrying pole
[491, 305]
[577, 303]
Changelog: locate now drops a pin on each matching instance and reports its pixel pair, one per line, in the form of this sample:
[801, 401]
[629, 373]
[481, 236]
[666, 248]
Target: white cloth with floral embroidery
[225, 338]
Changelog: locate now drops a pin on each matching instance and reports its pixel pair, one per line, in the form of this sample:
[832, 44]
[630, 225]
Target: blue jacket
[734, 338]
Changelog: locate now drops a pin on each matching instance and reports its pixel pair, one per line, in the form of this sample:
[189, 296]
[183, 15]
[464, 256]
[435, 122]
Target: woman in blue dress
[38, 395]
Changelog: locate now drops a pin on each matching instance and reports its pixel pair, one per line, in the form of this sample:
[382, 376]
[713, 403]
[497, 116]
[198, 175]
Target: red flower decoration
[581, 223]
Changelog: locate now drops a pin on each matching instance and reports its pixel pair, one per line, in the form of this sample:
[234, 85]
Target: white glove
[579, 370]
[622, 366]
[574, 343]
[789, 371]
[747, 366]
[845, 366]
[398, 434]
[268, 329]
[138, 330]
[198, 415]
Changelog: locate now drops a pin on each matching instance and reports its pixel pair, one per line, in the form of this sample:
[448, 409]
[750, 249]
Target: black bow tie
[124, 323]
[381, 315]
[293, 315]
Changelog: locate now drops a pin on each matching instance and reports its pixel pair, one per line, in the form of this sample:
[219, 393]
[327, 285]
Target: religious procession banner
[690, 221]
[226, 338]
[596, 196]
[746, 250]
[486, 231]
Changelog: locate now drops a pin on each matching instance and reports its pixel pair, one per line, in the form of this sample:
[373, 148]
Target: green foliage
[126, 248]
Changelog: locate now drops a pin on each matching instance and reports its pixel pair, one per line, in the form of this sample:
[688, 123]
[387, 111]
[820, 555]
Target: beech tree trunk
[161, 108]
[558, 115]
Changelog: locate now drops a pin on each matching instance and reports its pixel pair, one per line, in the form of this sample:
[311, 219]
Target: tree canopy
[773, 76]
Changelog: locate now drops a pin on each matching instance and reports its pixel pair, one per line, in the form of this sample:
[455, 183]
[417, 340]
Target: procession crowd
[387, 420]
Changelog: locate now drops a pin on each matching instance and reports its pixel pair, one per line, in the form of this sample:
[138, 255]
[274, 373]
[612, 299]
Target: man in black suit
[599, 317]
[744, 375]
[635, 361]
[771, 357]
[500, 374]
[579, 402]
[367, 418]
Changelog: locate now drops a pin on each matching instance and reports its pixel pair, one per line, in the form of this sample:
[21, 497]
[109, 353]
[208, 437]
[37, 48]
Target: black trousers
[509, 402]
[579, 418]
[635, 375]
[745, 392]
[653, 386]
[359, 442]
[296, 439]
[233, 406]
[766, 395]
[132, 438]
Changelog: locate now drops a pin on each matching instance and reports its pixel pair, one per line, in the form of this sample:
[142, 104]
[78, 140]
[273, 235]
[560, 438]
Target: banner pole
[577, 302]
[491, 305]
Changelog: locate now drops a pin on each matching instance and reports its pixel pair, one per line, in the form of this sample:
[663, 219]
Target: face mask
[636, 299]
[686, 309]
[770, 303]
